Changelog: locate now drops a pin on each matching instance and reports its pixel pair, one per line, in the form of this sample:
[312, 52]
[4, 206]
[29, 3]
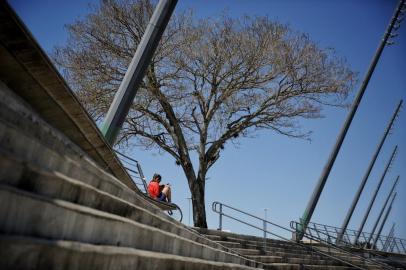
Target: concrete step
[289, 266]
[291, 246]
[298, 260]
[57, 186]
[32, 253]
[229, 244]
[286, 257]
[271, 249]
[267, 258]
[245, 251]
[28, 214]
[286, 252]
[214, 237]
[283, 249]
[293, 260]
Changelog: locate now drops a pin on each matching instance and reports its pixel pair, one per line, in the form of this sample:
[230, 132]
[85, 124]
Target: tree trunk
[196, 186]
[198, 201]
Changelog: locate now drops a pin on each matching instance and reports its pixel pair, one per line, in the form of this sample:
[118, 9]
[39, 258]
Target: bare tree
[211, 81]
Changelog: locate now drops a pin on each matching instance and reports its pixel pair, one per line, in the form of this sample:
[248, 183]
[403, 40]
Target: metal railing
[383, 243]
[133, 168]
[219, 208]
[324, 236]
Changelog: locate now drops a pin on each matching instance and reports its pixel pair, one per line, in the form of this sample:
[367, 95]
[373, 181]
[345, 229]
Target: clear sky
[272, 171]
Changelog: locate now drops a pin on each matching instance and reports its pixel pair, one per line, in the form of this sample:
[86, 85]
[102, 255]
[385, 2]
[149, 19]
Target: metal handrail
[140, 175]
[137, 170]
[294, 224]
[352, 233]
[221, 213]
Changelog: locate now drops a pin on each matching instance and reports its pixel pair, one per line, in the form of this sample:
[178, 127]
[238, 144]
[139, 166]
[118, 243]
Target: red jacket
[153, 189]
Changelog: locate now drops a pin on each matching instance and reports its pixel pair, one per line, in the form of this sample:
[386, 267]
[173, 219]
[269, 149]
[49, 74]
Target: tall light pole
[384, 220]
[366, 176]
[375, 194]
[135, 73]
[382, 210]
[307, 215]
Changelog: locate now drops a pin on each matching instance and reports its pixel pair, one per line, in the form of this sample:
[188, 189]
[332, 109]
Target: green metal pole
[371, 203]
[384, 220]
[307, 215]
[366, 176]
[381, 212]
[124, 97]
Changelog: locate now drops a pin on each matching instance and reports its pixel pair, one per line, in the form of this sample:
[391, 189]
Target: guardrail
[219, 208]
[322, 237]
[382, 243]
[134, 169]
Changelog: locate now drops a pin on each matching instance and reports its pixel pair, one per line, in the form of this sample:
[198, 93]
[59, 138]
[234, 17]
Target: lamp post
[264, 226]
[382, 210]
[366, 175]
[375, 194]
[307, 215]
[124, 97]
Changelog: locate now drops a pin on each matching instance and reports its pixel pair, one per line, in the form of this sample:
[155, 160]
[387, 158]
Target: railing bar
[133, 176]
[348, 237]
[401, 243]
[131, 170]
[127, 162]
[397, 247]
[387, 243]
[125, 156]
[392, 246]
[235, 209]
[363, 235]
[381, 241]
[359, 256]
[328, 236]
[288, 240]
[252, 216]
[317, 231]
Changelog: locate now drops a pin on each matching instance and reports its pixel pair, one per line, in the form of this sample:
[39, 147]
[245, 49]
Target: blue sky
[272, 171]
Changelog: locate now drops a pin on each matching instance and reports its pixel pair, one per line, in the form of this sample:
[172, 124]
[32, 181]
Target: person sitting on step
[159, 192]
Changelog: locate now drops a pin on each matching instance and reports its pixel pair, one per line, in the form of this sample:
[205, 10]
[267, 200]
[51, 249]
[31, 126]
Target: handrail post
[401, 243]
[221, 218]
[264, 228]
[404, 249]
[264, 221]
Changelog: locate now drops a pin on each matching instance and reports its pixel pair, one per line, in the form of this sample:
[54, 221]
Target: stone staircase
[60, 210]
[287, 255]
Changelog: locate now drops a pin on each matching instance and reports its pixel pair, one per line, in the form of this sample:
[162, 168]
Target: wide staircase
[277, 254]
[60, 210]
